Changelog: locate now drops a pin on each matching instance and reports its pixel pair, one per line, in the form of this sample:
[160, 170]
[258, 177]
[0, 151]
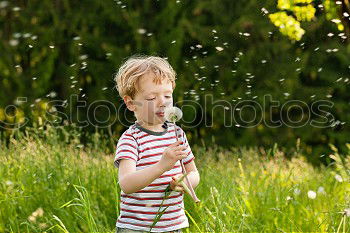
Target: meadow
[52, 182]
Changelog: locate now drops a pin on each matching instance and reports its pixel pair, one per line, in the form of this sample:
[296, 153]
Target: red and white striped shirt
[138, 210]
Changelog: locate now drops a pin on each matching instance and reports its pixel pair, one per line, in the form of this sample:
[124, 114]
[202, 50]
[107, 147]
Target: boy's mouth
[160, 114]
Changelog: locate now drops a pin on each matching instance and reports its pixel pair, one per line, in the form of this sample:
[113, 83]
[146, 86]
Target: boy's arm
[193, 174]
[131, 181]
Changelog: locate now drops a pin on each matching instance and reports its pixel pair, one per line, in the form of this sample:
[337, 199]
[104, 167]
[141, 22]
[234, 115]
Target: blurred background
[290, 57]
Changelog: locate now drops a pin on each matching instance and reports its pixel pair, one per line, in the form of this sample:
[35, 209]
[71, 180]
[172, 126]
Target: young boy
[147, 155]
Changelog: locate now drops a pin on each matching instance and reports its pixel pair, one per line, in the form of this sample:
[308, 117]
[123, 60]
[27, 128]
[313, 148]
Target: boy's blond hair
[137, 66]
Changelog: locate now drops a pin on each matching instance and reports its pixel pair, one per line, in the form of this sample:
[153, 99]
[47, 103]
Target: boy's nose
[162, 101]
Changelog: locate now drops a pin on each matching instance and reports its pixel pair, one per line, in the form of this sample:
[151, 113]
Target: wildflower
[42, 225]
[311, 194]
[9, 182]
[296, 191]
[338, 178]
[31, 218]
[39, 212]
[321, 190]
[347, 212]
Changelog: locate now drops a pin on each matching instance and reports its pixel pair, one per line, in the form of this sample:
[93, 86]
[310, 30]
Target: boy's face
[151, 99]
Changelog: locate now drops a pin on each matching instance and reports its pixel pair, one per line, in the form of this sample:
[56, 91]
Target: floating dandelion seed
[52, 94]
[105, 88]
[336, 21]
[17, 35]
[13, 42]
[264, 11]
[311, 194]
[4, 4]
[338, 80]
[173, 42]
[83, 57]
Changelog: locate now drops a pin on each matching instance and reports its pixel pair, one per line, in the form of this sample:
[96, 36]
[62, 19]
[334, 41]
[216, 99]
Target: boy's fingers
[180, 155]
[174, 144]
[180, 148]
[179, 189]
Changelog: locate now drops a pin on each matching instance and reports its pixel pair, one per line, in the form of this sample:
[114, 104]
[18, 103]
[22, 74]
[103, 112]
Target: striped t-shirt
[138, 210]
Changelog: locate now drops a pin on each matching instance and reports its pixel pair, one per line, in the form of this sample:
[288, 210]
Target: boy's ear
[129, 103]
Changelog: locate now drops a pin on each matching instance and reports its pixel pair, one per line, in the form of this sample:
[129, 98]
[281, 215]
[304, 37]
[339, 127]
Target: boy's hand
[174, 185]
[171, 155]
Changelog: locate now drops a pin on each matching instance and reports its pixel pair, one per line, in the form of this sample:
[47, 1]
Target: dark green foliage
[90, 39]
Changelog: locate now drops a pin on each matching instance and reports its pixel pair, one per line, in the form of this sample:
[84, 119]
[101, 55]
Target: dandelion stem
[191, 191]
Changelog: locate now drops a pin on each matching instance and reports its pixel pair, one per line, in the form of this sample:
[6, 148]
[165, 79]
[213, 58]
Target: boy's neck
[152, 127]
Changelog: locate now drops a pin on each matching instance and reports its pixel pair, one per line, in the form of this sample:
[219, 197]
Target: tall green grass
[50, 181]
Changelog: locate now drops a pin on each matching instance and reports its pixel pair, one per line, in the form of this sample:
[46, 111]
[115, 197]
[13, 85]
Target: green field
[51, 182]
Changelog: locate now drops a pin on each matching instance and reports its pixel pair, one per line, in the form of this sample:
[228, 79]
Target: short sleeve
[126, 149]
[188, 150]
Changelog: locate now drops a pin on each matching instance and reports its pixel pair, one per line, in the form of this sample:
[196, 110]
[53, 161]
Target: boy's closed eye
[150, 99]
